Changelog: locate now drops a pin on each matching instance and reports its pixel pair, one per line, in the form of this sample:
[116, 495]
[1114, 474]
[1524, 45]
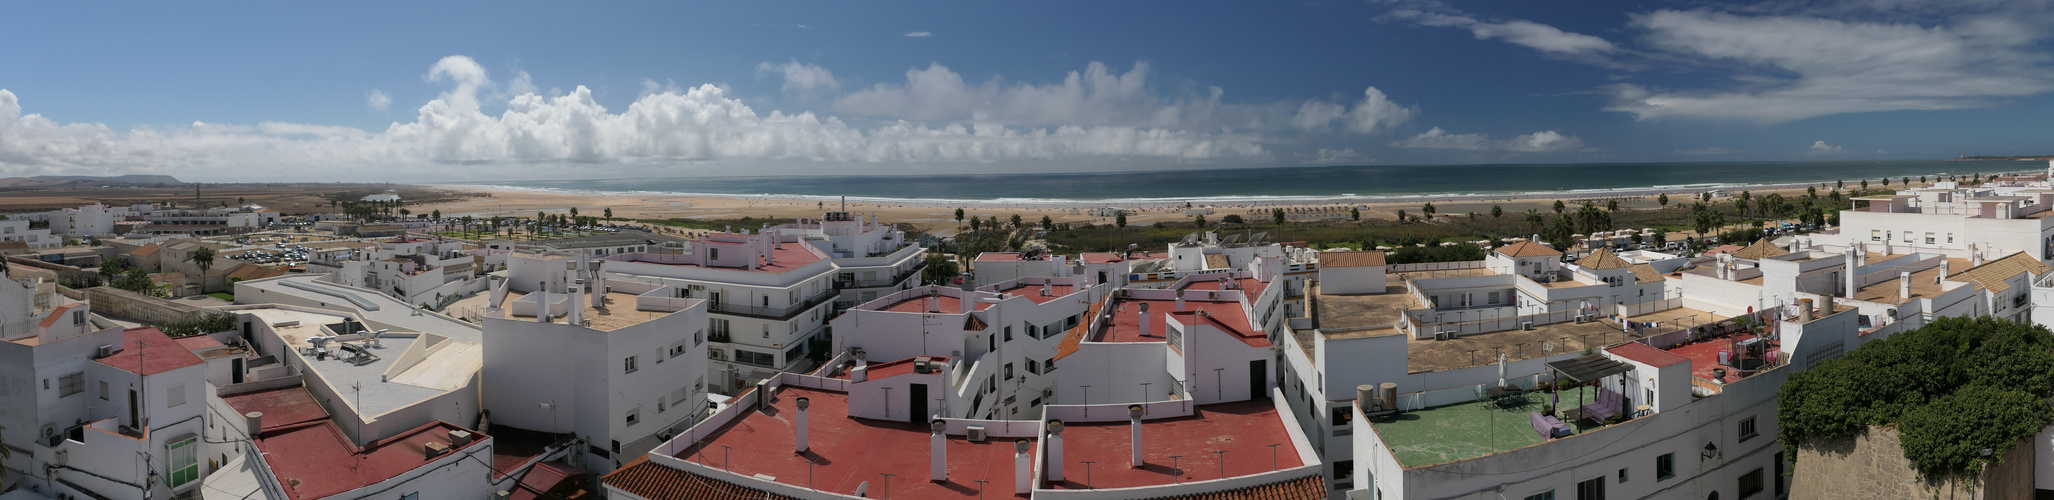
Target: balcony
[893, 280]
[776, 313]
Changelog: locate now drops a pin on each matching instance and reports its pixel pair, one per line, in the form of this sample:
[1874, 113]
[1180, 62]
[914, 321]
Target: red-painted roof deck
[1250, 286]
[1126, 326]
[1033, 292]
[161, 355]
[1704, 356]
[848, 451]
[791, 257]
[199, 343]
[282, 407]
[998, 257]
[918, 304]
[1242, 429]
[895, 368]
[1648, 355]
[318, 460]
[1101, 258]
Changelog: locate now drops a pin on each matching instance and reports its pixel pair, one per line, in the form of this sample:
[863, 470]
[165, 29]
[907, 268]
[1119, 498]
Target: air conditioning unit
[1580, 319]
[1526, 325]
[976, 434]
[1048, 393]
[103, 351]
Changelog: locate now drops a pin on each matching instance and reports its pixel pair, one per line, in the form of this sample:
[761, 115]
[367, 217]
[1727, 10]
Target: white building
[211, 221]
[620, 364]
[18, 230]
[1948, 220]
[420, 271]
[870, 259]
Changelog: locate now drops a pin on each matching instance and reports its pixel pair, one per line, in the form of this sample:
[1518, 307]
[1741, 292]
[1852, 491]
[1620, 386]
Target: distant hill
[56, 181]
[2002, 158]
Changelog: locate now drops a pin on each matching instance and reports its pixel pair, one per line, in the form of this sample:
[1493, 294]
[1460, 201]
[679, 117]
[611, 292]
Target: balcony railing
[777, 313]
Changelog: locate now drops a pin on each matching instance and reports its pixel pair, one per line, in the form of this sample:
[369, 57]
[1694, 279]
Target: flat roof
[893, 368]
[789, 258]
[847, 451]
[1249, 286]
[1244, 430]
[1033, 292]
[390, 311]
[1704, 354]
[283, 407]
[1924, 285]
[918, 304]
[1126, 324]
[1470, 429]
[1343, 312]
[1429, 355]
[618, 312]
[998, 257]
[318, 460]
[447, 367]
[148, 351]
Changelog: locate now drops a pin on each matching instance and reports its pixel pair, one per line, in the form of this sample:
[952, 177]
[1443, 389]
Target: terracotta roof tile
[1304, 488]
[1075, 338]
[145, 251]
[1647, 355]
[1992, 275]
[657, 482]
[1761, 249]
[1603, 259]
[1644, 273]
[1351, 259]
[1527, 249]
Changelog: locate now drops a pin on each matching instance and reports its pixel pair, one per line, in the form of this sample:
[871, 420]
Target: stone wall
[1873, 466]
[128, 305]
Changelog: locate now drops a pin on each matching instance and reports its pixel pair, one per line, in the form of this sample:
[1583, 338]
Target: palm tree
[1278, 215]
[1663, 199]
[1119, 218]
[609, 214]
[1497, 211]
[1401, 216]
[1428, 210]
[1559, 207]
[959, 217]
[204, 259]
[1047, 223]
[1016, 221]
[1354, 213]
[1611, 205]
[1534, 219]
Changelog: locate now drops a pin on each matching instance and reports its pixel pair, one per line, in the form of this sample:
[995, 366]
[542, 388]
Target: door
[919, 403]
[250, 336]
[1101, 277]
[1258, 380]
[235, 368]
[133, 410]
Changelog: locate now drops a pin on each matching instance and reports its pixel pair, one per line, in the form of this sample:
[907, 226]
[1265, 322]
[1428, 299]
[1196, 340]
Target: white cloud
[1332, 156]
[1375, 112]
[918, 34]
[455, 136]
[1547, 141]
[1529, 34]
[1711, 151]
[1822, 147]
[1792, 67]
[800, 76]
[378, 100]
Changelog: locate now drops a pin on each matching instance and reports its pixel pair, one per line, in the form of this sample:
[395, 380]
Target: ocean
[1281, 184]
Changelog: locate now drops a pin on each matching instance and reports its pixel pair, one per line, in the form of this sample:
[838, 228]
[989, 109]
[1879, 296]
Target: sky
[419, 92]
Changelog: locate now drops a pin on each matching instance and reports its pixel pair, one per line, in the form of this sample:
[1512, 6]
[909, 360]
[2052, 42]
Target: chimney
[1023, 468]
[1904, 285]
[1047, 289]
[1943, 272]
[1144, 319]
[933, 302]
[938, 471]
[1134, 421]
[459, 438]
[1180, 300]
[576, 314]
[1850, 274]
[598, 288]
[1827, 308]
[255, 421]
[435, 449]
[1804, 310]
[1976, 255]
[1054, 444]
[542, 303]
[800, 447]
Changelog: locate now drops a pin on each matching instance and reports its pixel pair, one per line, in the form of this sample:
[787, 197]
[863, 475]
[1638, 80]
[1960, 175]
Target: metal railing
[777, 313]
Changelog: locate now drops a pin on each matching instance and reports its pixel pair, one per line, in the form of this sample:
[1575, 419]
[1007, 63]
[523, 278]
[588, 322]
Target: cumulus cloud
[1332, 156]
[918, 34]
[378, 100]
[1546, 141]
[1822, 147]
[1793, 67]
[668, 125]
[1529, 34]
[1374, 113]
[799, 76]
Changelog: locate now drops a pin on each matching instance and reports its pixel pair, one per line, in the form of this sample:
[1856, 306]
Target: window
[1750, 483]
[713, 254]
[628, 364]
[1048, 366]
[175, 396]
[990, 383]
[755, 358]
[1950, 237]
[1009, 371]
[678, 349]
[71, 384]
[1929, 238]
[634, 416]
[1494, 297]
[1622, 475]
[103, 390]
[698, 337]
[1747, 428]
[1545, 495]
[1034, 402]
[1033, 367]
[411, 496]
[1665, 466]
[1875, 235]
[719, 329]
[1593, 489]
[185, 460]
[1009, 333]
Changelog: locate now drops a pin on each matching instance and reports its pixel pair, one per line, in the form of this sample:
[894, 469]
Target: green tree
[1401, 216]
[1559, 207]
[1354, 213]
[1611, 205]
[1427, 210]
[1841, 184]
[940, 270]
[113, 269]
[1278, 215]
[1048, 223]
[1864, 183]
[574, 211]
[437, 214]
[1016, 221]
[608, 214]
[1886, 182]
[1662, 199]
[1200, 220]
[1497, 211]
[203, 258]
[974, 222]
[1119, 218]
[1233, 219]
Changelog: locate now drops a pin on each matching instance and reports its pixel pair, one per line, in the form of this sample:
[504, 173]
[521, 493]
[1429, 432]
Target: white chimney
[933, 302]
[1023, 468]
[1047, 289]
[1054, 443]
[861, 373]
[542, 303]
[255, 421]
[1144, 319]
[800, 446]
[1180, 300]
[598, 288]
[1904, 285]
[1976, 255]
[1134, 421]
[938, 471]
[1804, 310]
[576, 314]
[1943, 271]
[1850, 274]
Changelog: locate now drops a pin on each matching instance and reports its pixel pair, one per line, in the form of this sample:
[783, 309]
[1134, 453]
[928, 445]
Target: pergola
[1585, 369]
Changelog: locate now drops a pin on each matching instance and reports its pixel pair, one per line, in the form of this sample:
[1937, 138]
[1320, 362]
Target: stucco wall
[1872, 466]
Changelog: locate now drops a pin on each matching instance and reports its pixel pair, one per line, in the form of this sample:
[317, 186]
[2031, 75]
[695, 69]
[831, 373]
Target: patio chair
[1608, 405]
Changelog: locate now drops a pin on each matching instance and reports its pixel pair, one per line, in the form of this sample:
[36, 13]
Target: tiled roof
[657, 482]
[1351, 259]
[1644, 273]
[145, 251]
[1724, 249]
[1075, 338]
[1646, 354]
[1527, 249]
[1304, 488]
[971, 323]
[1761, 249]
[251, 272]
[56, 314]
[1992, 275]
[1603, 259]
[163, 354]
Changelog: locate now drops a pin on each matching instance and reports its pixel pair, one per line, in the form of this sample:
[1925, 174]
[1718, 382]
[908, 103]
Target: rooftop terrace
[1244, 430]
[446, 368]
[918, 304]
[617, 311]
[1033, 292]
[846, 451]
[317, 460]
[1430, 355]
[1126, 324]
[1468, 430]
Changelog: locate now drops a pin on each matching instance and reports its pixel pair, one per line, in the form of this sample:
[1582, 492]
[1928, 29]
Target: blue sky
[398, 91]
